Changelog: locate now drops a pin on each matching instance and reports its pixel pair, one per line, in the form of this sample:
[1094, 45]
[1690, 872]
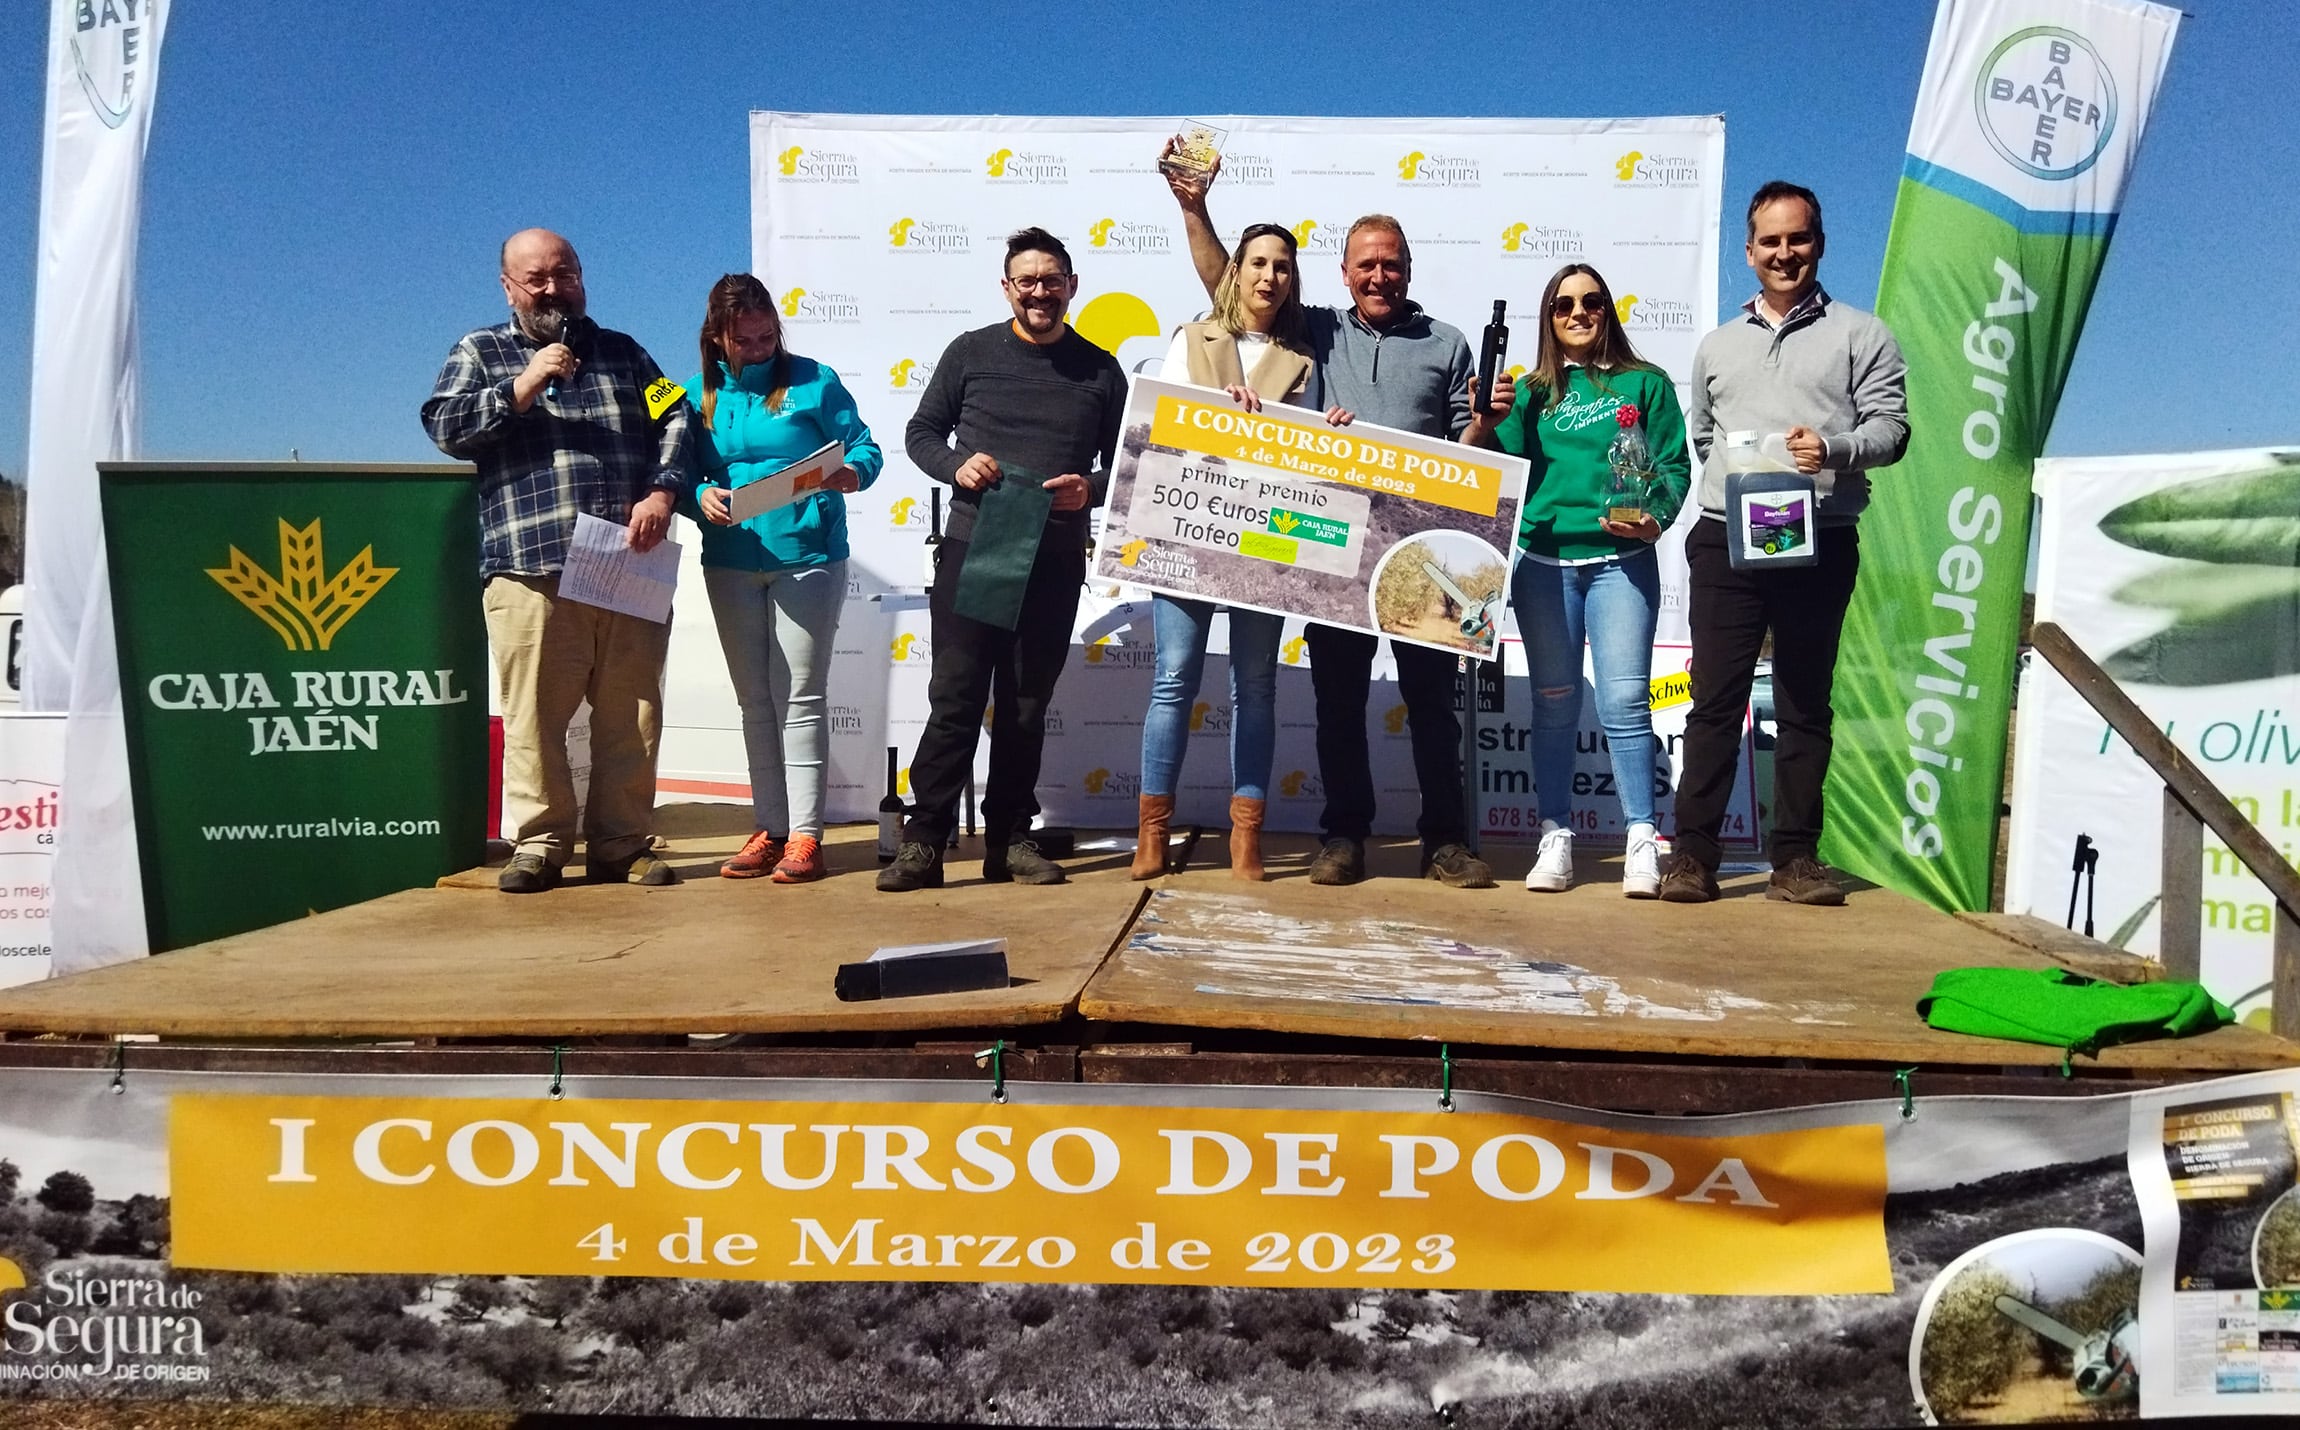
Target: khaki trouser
[550, 656]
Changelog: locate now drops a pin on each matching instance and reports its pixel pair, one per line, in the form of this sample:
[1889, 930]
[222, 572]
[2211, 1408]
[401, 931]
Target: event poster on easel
[304, 678]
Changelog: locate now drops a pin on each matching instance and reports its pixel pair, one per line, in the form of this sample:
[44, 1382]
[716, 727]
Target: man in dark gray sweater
[1022, 400]
[1832, 379]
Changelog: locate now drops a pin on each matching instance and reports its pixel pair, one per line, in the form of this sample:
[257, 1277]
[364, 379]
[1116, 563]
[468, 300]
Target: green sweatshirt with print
[1567, 442]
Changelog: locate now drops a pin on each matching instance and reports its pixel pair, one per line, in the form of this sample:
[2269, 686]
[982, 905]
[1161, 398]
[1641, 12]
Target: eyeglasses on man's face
[1039, 282]
[537, 284]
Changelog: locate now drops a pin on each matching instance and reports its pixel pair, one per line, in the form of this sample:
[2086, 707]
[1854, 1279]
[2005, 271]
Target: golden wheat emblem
[304, 605]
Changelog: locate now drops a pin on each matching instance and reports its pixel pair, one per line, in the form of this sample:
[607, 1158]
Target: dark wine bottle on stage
[1491, 354]
[890, 813]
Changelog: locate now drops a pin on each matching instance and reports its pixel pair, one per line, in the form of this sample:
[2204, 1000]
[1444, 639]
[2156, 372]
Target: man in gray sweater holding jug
[1832, 379]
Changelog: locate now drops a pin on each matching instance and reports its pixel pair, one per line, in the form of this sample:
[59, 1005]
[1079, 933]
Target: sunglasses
[1266, 230]
[1562, 305]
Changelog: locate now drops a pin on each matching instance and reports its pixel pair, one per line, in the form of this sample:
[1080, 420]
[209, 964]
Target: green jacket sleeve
[1511, 433]
[1665, 442]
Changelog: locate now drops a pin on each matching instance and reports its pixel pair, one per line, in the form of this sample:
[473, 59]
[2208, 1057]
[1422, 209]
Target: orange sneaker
[758, 855]
[802, 862]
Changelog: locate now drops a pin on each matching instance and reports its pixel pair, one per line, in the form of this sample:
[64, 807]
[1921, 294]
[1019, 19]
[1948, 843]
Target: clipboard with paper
[802, 478]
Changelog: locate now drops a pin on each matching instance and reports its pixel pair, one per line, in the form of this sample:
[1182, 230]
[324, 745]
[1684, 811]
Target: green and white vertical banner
[303, 674]
[2028, 124]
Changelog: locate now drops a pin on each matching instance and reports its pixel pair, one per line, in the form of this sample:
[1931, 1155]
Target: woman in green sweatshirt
[1585, 575]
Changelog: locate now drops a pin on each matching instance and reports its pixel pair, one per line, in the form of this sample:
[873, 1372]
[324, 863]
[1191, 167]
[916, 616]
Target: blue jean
[776, 628]
[1614, 604]
[1181, 628]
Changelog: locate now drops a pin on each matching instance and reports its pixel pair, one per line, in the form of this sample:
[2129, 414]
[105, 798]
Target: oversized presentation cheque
[1362, 527]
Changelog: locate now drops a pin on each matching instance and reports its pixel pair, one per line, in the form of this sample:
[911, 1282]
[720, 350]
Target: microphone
[575, 332]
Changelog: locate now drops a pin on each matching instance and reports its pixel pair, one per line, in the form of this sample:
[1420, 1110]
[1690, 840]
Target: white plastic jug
[1770, 519]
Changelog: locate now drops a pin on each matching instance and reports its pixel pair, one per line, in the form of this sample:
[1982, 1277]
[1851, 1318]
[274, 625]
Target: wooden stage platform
[1194, 977]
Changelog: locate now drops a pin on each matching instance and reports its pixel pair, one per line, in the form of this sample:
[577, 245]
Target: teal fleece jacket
[749, 442]
[1566, 443]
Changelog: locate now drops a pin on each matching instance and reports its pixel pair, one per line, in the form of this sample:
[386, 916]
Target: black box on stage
[916, 969]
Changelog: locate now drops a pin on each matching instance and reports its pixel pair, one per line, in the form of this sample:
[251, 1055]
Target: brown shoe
[1246, 839]
[1686, 880]
[1804, 880]
[1157, 814]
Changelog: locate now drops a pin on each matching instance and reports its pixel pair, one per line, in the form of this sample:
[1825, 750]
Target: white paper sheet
[803, 477]
[602, 570]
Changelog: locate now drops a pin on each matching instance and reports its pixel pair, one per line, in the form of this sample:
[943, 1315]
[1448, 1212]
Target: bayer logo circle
[2046, 102]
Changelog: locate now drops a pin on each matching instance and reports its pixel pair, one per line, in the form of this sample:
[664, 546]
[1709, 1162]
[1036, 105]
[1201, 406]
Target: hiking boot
[1805, 880]
[802, 862]
[1341, 861]
[1020, 863]
[1686, 880]
[648, 869]
[1641, 864]
[915, 866]
[1455, 867]
[528, 874]
[758, 855]
[1155, 818]
[1552, 871]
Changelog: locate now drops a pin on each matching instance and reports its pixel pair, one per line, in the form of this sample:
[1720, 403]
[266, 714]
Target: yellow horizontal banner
[1443, 474]
[781, 1191]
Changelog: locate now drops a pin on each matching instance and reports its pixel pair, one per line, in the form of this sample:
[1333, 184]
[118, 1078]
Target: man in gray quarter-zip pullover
[1832, 378]
[1385, 360]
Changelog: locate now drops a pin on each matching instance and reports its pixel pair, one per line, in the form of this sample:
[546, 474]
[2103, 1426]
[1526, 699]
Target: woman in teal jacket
[777, 580]
[1583, 574]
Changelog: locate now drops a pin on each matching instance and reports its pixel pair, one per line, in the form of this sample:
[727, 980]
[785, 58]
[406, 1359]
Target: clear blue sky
[328, 182]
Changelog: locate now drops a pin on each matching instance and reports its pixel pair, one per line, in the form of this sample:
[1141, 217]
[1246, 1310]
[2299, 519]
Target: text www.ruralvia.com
[320, 829]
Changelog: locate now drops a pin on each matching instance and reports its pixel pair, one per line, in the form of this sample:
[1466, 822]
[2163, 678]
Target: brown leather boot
[1150, 842]
[1246, 839]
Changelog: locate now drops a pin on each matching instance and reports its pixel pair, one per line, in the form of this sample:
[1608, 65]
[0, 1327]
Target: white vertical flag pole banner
[2179, 575]
[881, 238]
[103, 75]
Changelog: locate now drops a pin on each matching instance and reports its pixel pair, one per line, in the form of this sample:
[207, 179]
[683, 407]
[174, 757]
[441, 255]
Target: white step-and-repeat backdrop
[882, 239]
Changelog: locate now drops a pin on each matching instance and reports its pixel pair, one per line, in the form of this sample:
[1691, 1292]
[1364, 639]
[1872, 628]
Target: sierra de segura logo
[77, 1326]
[307, 608]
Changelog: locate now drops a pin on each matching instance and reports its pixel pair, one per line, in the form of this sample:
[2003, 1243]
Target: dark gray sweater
[1051, 408]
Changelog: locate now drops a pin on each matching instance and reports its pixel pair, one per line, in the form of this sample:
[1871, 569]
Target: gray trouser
[776, 629]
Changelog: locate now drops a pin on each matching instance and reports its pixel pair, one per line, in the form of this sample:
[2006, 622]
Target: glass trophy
[1198, 149]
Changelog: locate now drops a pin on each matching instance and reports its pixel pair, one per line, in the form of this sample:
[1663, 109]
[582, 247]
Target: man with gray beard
[564, 417]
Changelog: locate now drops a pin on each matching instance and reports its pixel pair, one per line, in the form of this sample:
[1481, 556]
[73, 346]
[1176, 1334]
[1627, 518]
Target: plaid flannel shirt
[592, 448]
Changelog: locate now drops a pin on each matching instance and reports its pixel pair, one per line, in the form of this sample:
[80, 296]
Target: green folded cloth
[2067, 1010]
[1003, 547]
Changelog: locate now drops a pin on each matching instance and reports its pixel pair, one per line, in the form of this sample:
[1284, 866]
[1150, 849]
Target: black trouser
[1016, 670]
[1804, 607]
[1341, 676]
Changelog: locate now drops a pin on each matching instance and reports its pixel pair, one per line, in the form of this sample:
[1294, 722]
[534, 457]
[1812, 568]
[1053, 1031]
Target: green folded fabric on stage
[2065, 1009]
[1003, 548]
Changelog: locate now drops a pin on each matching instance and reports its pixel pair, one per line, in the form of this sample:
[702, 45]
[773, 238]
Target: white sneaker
[1552, 871]
[1641, 866]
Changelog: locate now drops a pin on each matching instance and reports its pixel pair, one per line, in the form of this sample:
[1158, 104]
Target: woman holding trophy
[1606, 439]
[1254, 347]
